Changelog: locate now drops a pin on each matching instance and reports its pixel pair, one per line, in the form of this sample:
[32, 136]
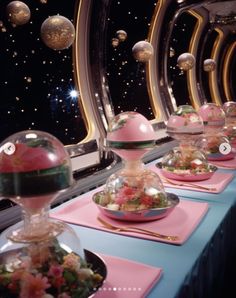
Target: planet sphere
[57, 32]
[142, 51]
[18, 13]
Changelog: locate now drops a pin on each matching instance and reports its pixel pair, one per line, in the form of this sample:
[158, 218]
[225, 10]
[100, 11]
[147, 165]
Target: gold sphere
[121, 35]
[142, 51]
[186, 61]
[209, 65]
[115, 42]
[57, 32]
[18, 13]
[172, 52]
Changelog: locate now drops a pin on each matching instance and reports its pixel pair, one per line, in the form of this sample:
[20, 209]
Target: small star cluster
[35, 81]
[126, 76]
[180, 41]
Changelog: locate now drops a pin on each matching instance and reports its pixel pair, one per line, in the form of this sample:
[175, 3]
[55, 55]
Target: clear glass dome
[213, 117]
[185, 161]
[229, 108]
[130, 135]
[39, 257]
[29, 159]
[134, 188]
[229, 131]
[185, 124]
[211, 145]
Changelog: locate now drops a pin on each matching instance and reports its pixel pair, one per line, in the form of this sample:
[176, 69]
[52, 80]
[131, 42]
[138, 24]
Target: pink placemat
[225, 164]
[180, 222]
[127, 278]
[216, 184]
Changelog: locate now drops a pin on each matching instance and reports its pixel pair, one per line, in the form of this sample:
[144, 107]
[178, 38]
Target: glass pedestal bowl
[40, 257]
[133, 193]
[186, 164]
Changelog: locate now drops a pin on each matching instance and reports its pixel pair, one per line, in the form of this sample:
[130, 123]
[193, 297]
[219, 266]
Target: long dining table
[197, 267]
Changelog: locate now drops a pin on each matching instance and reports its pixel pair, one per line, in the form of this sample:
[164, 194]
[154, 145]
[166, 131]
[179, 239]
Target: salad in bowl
[187, 164]
[135, 197]
[211, 146]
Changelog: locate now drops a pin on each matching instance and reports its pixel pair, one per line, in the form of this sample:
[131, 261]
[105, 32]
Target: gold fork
[179, 183]
[136, 229]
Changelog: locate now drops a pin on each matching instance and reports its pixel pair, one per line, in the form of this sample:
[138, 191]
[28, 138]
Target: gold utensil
[136, 229]
[180, 183]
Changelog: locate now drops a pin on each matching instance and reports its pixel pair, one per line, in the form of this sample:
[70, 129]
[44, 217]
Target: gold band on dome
[131, 145]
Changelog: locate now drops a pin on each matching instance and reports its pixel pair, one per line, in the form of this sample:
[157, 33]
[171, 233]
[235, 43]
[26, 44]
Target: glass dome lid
[190, 160]
[130, 135]
[40, 257]
[135, 193]
[31, 158]
[185, 164]
[131, 191]
[130, 130]
[213, 117]
[184, 123]
[229, 108]
[211, 144]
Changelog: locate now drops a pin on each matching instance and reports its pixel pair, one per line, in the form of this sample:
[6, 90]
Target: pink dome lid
[184, 121]
[229, 108]
[213, 116]
[130, 127]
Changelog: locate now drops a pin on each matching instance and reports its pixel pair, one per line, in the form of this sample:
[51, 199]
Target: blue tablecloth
[188, 270]
[196, 269]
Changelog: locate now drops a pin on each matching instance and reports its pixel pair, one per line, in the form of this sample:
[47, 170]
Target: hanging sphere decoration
[121, 35]
[209, 65]
[172, 52]
[57, 32]
[115, 42]
[142, 51]
[18, 13]
[186, 61]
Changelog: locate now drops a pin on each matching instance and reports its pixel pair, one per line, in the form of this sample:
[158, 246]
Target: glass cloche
[185, 125]
[211, 145]
[134, 188]
[229, 129]
[213, 117]
[130, 135]
[214, 120]
[186, 162]
[39, 257]
[229, 108]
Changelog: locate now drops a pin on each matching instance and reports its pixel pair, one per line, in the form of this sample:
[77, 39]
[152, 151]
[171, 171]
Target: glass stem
[36, 223]
[132, 167]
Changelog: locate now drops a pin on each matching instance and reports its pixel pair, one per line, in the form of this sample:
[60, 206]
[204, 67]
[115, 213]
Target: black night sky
[35, 81]
[126, 76]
